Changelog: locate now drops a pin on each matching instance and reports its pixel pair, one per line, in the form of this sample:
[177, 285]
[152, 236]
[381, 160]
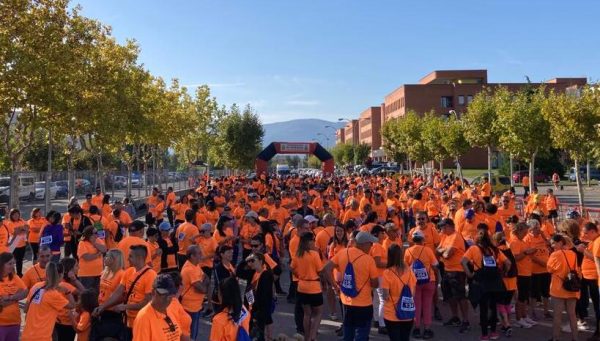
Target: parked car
[26, 188]
[40, 190]
[119, 182]
[500, 183]
[539, 176]
[63, 188]
[385, 169]
[594, 173]
[83, 186]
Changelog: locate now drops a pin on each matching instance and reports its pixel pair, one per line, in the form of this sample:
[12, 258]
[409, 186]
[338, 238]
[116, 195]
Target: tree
[480, 119]
[391, 142]
[239, 138]
[314, 162]
[433, 133]
[573, 124]
[409, 130]
[454, 140]
[523, 130]
[361, 153]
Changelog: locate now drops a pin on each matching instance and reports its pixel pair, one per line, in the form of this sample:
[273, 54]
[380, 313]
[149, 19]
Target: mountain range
[303, 130]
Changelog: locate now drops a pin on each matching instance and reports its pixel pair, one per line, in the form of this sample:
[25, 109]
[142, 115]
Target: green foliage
[432, 135]
[314, 162]
[481, 115]
[361, 153]
[454, 140]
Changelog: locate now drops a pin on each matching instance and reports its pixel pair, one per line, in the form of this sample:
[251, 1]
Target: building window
[469, 99]
[461, 100]
[447, 102]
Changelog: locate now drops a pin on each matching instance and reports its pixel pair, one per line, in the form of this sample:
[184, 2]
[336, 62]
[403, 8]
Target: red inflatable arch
[262, 160]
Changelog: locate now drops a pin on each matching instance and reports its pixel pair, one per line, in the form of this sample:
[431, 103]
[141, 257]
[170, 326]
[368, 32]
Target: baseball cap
[206, 227]
[365, 237]
[446, 221]
[164, 285]
[311, 218]
[418, 235]
[252, 214]
[164, 226]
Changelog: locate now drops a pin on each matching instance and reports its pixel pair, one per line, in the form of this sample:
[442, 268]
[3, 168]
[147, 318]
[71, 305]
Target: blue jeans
[195, 324]
[357, 323]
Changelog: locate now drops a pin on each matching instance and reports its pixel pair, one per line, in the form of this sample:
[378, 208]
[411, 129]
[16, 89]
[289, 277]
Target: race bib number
[181, 236]
[407, 304]
[421, 273]
[46, 240]
[347, 282]
[250, 297]
[489, 262]
[101, 234]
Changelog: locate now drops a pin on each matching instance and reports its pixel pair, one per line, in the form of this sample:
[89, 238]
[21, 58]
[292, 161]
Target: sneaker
[484, 338]
[382, 330]
[333, 317]
[437, 314]
[464, 327]
[523, 324]
[416, 333]
[530, 321]
[508, 332]
[494, 336]
[427, 334]
[566, 328]
[375, 324]
[582, 325]
[453, 322]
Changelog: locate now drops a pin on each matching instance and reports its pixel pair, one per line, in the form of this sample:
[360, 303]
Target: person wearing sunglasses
[154, 321]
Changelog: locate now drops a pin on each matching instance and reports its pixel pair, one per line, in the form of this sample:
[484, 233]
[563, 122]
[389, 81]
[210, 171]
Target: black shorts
[552, 214]
[523, 288]
[313, 300]
[506, 297]
[453, 285]
[540, 286]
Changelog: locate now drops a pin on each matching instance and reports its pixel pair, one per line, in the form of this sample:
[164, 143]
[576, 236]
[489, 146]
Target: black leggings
[488, 305]
[35, 247]
[19, 254]
[398, 330]
[589, 289]
[64, 332]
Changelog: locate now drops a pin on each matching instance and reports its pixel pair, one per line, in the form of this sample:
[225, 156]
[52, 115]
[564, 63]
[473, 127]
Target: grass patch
[470, 173]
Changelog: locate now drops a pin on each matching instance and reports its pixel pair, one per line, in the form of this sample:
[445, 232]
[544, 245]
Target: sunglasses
[172, 326]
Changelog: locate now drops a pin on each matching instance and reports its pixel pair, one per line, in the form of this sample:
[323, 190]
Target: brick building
[441, 92]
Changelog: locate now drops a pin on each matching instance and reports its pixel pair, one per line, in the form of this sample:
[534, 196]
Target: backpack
[120, 234]
[99, 228]
[348, 286]
[242, 333]
[572, 282]
[420, 271]
[405, 306]
[488, 275]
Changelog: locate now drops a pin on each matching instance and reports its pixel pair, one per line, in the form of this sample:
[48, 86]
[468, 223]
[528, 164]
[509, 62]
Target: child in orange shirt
[88, 301]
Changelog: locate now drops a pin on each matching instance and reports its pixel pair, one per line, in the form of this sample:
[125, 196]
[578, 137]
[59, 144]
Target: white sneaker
[523, 324]
[582, 325]
[530, 321]
[566, 328]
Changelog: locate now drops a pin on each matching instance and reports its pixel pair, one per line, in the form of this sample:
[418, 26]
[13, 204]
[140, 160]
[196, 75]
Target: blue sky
[332, 58]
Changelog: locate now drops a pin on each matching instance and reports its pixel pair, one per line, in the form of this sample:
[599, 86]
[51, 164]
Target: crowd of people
[363, 250]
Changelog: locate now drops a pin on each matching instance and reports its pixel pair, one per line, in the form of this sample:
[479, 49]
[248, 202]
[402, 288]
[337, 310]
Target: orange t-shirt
[64, 316]
[152, 325]
[351, 214]
[12, 226]
[190, 298]
[142, 288]
[306, 269]
[209, 248]
[377, 250]
[223, 327]
[184, 320]
[425, 255]
[84, 326]
[432, 237]
[475, 256]
[517, 247]
[541, 251]
[89, 268]
[186, 234]
[128, 242]
[455, 241]
[364, 271]
[109, 285]
[323, 238]
[394, 283]
[559, 263]
[588, 266]
[35, 227]
[44, 307]
[596, 250]
[10, 314]
[33, 275]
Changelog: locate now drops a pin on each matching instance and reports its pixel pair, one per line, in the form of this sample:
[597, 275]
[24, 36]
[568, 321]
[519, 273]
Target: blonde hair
[53, 277]
[118, 264]
[570, 228]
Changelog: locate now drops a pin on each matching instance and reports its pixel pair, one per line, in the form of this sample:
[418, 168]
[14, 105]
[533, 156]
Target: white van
[283, 169]
[26, 188]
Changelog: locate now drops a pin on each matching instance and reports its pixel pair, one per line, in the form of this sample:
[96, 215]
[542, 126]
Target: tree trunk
[532, 172]
[442, 168]
[410, 170]
[14, 184]
[459, 169]
[510, 161]
[489, 160]
[47, 203]
[99, 177]
[129, 172]
[579, 188]
[70, 175]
